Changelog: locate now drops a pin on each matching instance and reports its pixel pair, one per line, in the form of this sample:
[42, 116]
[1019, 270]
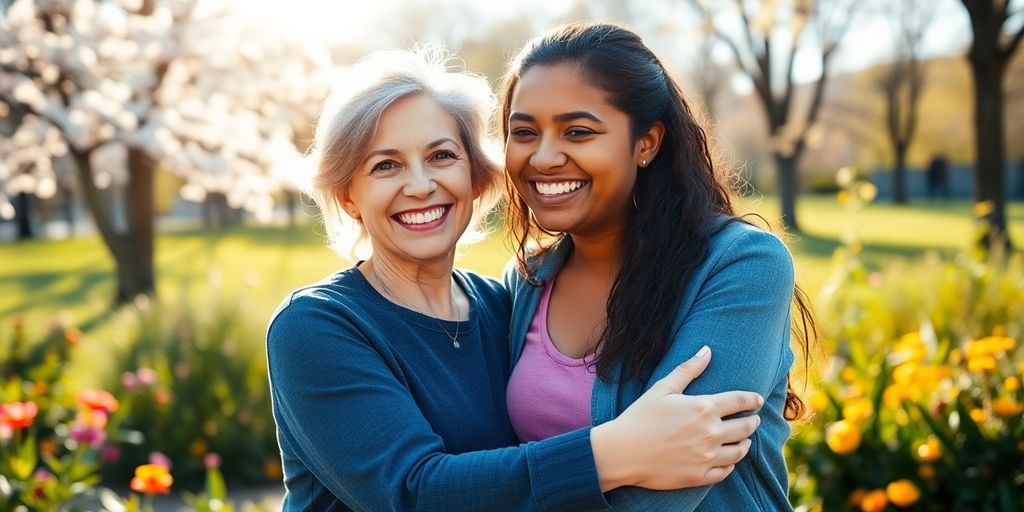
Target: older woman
[389, 377]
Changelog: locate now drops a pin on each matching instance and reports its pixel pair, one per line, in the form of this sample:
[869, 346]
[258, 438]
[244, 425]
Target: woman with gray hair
[388, 379]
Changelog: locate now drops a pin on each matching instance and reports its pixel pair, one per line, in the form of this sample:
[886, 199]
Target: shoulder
[325, 304]
[738, 240]
[485, 289]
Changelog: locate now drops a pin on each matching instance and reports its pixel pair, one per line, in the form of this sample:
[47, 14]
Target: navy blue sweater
[376, 410]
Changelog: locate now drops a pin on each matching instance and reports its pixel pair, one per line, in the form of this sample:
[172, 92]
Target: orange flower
[874, 501]
[902, 493]
[929, 450]
[152, 479]
[73, 336]
[272, 469]
[92, 418]
[842, 437]
[18, 415]
[1006, 407]
[98, 400]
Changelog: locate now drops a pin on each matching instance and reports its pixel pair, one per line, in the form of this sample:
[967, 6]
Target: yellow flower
[843, 197]
[926, 471]
[1006, 407]
[848, 374]
[152, 479]
[902, 493]
[929, 450]
[894, 395]
[979, 415]
[910, 348]
[874, 501]
[981, 364]
[857, 410]
[842, 437]
[818, 401]
[1011, 384]
[867, 192]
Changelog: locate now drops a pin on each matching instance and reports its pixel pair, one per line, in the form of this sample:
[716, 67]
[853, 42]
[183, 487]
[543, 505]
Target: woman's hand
[668, 440]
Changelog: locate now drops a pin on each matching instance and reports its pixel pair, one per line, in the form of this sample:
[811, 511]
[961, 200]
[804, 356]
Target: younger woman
[641, 258]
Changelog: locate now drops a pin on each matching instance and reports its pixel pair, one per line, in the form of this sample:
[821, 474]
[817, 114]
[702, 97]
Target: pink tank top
[548, 393]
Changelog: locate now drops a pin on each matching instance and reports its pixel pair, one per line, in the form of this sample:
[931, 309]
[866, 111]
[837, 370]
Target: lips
[422, 218]
[557, 188]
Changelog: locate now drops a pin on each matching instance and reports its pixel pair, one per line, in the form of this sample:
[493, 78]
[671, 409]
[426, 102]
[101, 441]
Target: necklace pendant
[455, 344]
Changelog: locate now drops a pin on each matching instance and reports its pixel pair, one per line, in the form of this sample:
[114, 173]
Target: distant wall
[960, 180]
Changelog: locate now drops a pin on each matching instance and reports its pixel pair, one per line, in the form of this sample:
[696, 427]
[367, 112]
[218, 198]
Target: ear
[647, 146]
[345, 200]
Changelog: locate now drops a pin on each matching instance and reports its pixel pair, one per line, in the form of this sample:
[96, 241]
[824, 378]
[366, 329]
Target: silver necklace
[458, 313]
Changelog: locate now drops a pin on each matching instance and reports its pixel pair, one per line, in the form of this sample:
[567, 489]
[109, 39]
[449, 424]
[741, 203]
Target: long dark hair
[677, 197]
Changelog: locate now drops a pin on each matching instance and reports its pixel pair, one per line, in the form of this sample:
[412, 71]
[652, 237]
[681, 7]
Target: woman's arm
[742, 312]
[357, 429]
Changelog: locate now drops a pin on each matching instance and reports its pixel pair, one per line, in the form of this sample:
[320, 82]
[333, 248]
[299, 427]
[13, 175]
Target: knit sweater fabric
[738, 303]
[377, 410]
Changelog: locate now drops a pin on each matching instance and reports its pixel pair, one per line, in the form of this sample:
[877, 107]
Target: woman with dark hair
[641, 259]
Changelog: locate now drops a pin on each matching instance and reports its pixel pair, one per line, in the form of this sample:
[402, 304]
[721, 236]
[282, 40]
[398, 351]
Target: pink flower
[110, 453]
[147, 376]
[129, 381]
[160, 460]
[87, 435]
[211, 460]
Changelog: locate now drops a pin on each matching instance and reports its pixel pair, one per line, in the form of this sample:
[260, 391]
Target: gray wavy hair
[352, 112]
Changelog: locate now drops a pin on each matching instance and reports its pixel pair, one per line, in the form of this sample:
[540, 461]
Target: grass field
[259, 264]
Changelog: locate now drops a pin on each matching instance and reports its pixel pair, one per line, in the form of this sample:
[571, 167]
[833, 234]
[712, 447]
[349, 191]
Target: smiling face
[569, 153]
[413, 191]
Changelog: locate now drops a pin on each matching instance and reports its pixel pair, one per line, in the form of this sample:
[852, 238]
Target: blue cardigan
[376, 410]
[738, 303]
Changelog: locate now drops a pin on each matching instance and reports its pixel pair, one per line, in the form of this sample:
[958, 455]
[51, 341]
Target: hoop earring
[635, 206]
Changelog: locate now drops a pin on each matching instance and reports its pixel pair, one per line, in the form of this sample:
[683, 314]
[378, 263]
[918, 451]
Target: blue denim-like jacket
[738, 303]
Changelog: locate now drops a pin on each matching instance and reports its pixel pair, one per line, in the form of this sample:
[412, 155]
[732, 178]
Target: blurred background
[151, 219]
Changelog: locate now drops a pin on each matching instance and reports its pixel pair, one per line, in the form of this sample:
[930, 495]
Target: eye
[444, 154]
[384, 165]
[578, 132]
[522, 133]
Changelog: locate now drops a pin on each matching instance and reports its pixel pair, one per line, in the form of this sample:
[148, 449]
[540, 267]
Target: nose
[419, 182]
[548, 155]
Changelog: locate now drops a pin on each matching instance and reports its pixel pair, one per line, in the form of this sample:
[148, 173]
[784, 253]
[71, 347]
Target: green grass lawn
[260, 264]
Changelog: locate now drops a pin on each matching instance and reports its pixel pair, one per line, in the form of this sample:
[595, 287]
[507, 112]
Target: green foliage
[918, 406]
[194, 380]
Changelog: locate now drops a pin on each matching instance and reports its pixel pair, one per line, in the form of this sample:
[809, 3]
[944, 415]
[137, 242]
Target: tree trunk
[68, 207]
[292, 201]
[788, 189]
[990, 166]
[899, 174]
[134, 269]
[23, 215]
[139, 262]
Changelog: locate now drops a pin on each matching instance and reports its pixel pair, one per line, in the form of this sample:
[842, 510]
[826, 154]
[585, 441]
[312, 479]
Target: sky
[366, 23]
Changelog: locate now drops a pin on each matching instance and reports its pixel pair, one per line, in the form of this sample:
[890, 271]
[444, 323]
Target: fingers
[682, 375]
[735, 430]
[717, 474]
[731, 454]
[734, 402]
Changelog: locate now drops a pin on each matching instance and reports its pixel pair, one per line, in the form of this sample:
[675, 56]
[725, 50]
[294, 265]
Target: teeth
[561, 187]
[422, 218]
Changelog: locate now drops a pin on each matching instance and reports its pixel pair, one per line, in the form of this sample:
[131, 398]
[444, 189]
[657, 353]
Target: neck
[424, 287]
[599, 254]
